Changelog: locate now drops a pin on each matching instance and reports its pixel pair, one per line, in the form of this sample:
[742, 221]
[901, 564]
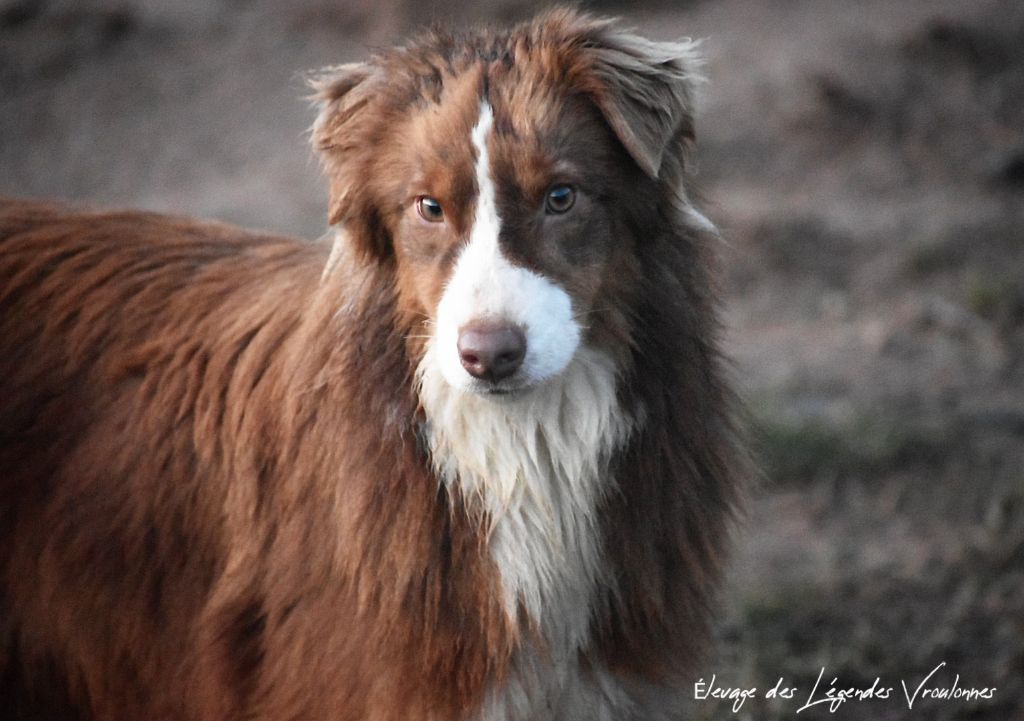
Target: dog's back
[114, 420]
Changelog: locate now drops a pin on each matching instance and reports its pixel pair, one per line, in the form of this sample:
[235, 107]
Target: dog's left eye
[559, 199]
[429, 209]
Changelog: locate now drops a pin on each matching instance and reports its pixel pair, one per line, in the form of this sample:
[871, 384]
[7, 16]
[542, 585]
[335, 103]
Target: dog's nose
[491, 351]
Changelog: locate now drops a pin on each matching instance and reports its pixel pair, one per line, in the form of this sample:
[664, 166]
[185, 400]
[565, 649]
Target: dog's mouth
[515, 387]
[501, 392]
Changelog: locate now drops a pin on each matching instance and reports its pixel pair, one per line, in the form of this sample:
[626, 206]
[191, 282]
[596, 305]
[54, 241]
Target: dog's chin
[500, 392]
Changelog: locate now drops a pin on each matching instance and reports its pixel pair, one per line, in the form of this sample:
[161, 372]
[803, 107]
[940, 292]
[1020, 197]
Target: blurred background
[865, 161]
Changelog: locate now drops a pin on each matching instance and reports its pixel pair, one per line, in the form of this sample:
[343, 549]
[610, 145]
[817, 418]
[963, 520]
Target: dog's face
[504, 237]
[503, 180]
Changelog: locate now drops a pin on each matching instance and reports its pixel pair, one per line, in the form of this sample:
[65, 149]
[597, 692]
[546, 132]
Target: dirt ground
[865, 161]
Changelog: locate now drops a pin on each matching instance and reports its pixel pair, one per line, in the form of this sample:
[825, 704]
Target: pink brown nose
[491, 351]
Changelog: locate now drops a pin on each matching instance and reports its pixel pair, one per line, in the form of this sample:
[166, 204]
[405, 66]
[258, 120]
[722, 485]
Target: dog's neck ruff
[535, 465]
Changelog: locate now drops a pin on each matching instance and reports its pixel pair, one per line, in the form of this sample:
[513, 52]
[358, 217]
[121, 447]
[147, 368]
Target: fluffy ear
[646, 91]
[340, 132]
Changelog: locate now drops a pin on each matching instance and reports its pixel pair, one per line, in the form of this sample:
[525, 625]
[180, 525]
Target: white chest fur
[536, 465]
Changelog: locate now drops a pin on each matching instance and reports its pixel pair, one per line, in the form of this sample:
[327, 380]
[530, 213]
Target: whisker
[592, 311]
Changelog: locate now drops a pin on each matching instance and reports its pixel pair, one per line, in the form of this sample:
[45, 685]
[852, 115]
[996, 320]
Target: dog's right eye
[429, 209]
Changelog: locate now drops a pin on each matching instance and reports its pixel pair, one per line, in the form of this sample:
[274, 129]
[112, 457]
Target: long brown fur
[215, 502]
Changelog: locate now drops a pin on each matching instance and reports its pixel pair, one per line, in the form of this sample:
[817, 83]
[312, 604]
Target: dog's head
[509, 179]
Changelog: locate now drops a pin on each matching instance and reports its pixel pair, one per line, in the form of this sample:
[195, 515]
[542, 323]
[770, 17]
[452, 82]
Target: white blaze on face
[485, 285]
[535, 462]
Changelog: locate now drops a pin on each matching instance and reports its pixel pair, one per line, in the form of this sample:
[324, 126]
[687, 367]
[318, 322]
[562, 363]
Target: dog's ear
[646, 90]
[341, 132]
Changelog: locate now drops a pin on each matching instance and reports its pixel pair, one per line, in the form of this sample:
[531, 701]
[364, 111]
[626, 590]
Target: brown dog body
[241, 478]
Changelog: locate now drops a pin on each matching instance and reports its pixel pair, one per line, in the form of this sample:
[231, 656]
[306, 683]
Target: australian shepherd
[470, 459]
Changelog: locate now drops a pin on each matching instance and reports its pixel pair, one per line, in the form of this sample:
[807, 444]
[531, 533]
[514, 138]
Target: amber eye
[560, 198]
[429, 209]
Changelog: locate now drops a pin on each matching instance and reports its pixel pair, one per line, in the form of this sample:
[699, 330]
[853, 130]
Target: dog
[472, 456]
